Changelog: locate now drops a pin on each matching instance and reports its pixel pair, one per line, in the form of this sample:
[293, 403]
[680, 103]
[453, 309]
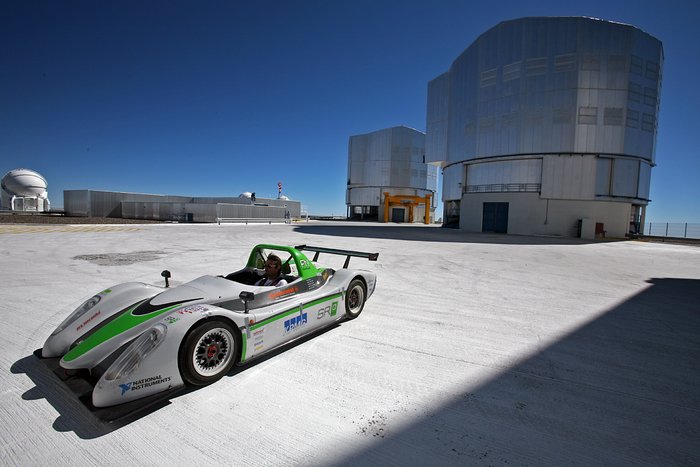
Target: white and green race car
[135, 340]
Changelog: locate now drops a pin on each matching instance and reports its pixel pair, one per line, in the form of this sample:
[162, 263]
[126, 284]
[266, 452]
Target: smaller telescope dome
[24, 190]
[24, 182]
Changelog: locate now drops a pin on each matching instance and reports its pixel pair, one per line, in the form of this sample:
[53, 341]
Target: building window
[511, 71]
[565, 62]
[652, 70]
[635, 92]
[647, 122]
[536, 66]
[488, 77]
[588, 115]
[632, 118]
[612, 116]
[603, 172]
[636, 65]
[650, 96]
[625, 177]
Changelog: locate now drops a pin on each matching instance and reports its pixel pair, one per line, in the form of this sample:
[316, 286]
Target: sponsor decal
[295, 322]
[143, 383]
[84, 323]
[106, 291]
[329, 310]
[171, 319]
[258, 337]
[259, 347]
[193, 309]
[304, 264]
[283, 292]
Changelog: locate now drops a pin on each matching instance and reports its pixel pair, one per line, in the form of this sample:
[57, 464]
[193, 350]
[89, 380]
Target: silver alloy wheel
[213, 352]
[356, 298]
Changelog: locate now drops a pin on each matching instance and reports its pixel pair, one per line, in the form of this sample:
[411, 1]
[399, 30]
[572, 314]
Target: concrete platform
[475, 350]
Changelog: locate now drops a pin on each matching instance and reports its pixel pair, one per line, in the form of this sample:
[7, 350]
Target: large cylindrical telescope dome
[542, 124]
[389, 161]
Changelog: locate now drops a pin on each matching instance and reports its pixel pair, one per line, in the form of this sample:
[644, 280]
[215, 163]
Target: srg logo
[329, 310]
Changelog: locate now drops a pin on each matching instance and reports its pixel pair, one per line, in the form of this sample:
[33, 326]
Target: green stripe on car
[123, 323]
[245, 344]
[294, 310]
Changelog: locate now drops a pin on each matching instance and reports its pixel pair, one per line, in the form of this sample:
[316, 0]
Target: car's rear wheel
[355, 298]
[208, 352]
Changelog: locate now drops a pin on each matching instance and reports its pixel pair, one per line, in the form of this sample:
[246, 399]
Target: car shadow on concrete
[77, 416]
[623, 389]
[431, 233]
[73, 416]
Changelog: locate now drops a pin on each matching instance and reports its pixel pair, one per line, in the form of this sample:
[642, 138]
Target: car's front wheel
[208, 352]
[355, 298]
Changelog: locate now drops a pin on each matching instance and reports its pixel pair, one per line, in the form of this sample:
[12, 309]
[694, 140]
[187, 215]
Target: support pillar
[386, 206]
[427, 208]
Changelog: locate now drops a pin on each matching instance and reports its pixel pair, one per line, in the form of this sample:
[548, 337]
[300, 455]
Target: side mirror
[246, 297]
[166, 275]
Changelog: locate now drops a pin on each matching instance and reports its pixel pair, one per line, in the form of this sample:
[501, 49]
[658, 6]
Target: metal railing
[503, 187]
[246, 220]
[672, 229]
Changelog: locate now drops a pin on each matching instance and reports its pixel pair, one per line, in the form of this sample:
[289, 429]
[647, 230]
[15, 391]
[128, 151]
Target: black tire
[355, 298]
[208, 352]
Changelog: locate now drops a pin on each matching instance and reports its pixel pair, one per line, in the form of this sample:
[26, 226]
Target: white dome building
[24, 190]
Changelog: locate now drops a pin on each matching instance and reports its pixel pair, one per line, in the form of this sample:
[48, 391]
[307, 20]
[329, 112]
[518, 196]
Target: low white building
[246, 207]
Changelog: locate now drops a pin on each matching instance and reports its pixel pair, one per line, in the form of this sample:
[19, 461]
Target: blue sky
[215, 98]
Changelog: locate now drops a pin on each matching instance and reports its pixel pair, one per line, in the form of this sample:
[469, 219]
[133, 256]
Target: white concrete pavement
[476, 349]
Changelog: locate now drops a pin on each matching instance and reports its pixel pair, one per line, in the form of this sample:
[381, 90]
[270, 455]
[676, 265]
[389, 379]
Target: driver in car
[273, 273]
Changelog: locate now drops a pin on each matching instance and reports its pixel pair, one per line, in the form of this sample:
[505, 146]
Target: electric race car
[134, 340]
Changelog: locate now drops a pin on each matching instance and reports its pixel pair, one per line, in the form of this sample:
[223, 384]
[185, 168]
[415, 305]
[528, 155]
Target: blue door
[398, 214]
[495, 218]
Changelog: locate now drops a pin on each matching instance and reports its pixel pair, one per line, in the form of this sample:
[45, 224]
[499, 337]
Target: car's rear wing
[348, 253]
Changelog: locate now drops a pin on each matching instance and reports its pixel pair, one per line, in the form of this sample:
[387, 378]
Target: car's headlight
[136, 353]
[80, 311]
